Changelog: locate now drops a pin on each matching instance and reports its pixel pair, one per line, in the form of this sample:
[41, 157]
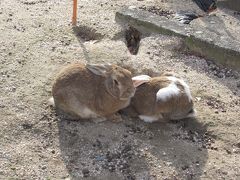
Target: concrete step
[209, 36]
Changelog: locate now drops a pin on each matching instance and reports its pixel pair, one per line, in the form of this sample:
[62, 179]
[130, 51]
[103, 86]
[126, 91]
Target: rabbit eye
[115, 81]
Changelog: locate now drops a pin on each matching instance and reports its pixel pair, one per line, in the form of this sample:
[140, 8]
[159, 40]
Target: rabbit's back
[73, 92]
[164, 97]
[92, 90]
[75, 79]
[174, 100]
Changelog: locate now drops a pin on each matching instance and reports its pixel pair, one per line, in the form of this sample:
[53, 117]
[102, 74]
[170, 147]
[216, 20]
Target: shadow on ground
[133, 149]
[230, 4]
[83, 34]
[220, 74]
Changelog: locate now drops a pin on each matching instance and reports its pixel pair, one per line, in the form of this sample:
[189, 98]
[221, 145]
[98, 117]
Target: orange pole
[74, 17]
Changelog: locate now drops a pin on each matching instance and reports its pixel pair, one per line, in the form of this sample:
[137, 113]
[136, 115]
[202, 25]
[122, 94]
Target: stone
[85, 172]
[238, 84]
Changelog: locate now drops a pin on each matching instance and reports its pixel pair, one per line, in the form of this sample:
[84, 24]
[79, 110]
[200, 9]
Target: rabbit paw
[115, 118]
[99, 120]
[148, 119]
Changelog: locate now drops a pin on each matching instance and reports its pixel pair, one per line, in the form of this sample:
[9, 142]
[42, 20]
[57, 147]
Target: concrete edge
[209, 50]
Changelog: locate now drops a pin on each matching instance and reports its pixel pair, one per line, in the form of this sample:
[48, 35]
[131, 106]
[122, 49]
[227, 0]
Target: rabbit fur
[162, 98]
[92, 90]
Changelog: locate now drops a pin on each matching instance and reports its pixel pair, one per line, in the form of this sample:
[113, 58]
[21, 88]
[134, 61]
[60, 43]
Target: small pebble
[185, 167]
[2, 106]
[85, 172]
[220, 75]
[238, 145]
[228, 151]
[238, 85]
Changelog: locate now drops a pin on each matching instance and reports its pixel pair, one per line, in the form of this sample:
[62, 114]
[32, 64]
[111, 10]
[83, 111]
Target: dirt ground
[37, 39]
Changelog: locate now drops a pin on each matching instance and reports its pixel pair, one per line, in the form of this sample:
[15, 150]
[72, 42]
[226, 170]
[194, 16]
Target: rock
[126, 148]
[85, 172]
[185, 167]
[111, 168]
[220, 75]
[210, 103]
[224, 172]
[228, 151]
[2, 105]
[99, 158]
[27, 126]
[235, 75]
[198, 98]
[97, 144]
[238, 145]
[229, 73]
[130, 177]
[238, 84]
[168, 163]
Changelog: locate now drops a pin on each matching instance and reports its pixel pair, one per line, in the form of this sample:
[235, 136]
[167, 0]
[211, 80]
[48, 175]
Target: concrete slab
[230, 4]
[215, 37]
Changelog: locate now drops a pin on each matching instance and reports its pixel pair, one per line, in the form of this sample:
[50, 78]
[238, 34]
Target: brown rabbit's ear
[138, 80]
[99, 69]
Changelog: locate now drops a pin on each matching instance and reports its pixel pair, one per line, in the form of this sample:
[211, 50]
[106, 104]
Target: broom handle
[74, 18]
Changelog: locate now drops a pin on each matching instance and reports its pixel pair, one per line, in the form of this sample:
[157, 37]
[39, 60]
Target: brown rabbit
[92, 91]
[166, 97]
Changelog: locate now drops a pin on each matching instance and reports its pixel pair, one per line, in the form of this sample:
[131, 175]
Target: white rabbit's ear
[138, 80]
[99, 69]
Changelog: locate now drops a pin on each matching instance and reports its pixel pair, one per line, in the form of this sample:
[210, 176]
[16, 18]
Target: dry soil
[37, 39]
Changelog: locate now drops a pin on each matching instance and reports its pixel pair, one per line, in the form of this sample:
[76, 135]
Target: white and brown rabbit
[92, 91]
[162, 98]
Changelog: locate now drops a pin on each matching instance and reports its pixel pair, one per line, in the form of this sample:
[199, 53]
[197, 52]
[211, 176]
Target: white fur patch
[187, 89]
[167, 92]
[148, 119]
[99, 120]
[85, 112]
[142, 78]
[184, 84]
[51, 102]
[80, 109]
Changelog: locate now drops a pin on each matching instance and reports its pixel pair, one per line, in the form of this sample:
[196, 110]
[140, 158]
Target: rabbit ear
[138, 80]
[99, 69]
